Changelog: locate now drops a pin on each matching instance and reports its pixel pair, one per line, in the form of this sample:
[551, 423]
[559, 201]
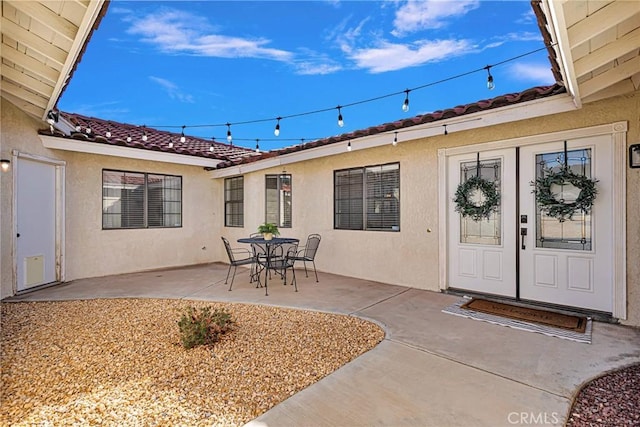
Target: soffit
[42, 42]
[597, 45]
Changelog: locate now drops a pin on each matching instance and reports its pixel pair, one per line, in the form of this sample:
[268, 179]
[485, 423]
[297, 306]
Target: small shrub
[203, 327]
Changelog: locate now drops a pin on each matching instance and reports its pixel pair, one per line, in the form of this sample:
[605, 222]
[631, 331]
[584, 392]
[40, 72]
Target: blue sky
[184, 63]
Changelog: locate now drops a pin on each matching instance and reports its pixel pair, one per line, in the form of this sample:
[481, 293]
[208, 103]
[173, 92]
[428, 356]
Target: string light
[349, 146]
[144, 134]
[445, 130]
[128, 138]
[211, 148]
[88, 130]
[108, 133]
[257, 145]
[52, 117]
[395, 139]
[490, 84]
[78, 128]
[405, 104]
[276, 131]
[170, 142]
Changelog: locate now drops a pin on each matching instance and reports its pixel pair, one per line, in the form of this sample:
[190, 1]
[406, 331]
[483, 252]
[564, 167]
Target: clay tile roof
[96, 130]
[461, 110]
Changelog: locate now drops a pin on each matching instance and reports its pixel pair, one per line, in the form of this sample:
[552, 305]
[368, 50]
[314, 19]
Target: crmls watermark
[533, 418]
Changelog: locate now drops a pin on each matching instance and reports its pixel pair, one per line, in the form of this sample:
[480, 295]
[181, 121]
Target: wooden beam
[603, 19]
[46, 17]
[32, 41]
[24, 94]
[26, 80]
[608, 53]
[23, 105]
[31, 64]
[611, 77]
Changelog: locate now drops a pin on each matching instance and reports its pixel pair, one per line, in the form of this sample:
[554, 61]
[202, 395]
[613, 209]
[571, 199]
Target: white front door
[482, 256]
[568, 262]
[35, 223]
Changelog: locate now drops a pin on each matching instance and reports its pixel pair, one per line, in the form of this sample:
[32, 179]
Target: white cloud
[172, 89]
[418, 15]
[391, 56]
[180, 32]
[539, 74]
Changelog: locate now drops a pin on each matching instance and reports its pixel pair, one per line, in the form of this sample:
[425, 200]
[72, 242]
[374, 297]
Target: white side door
[571, 262]
[35, 223]
[482, 256]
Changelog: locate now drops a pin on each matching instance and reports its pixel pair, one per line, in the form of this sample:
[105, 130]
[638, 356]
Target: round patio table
[270, 246]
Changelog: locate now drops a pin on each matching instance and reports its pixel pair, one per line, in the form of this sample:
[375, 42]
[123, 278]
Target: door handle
[523, 235]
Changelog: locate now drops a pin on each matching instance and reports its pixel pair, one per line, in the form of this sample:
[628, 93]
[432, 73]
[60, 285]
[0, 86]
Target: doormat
[572, 328]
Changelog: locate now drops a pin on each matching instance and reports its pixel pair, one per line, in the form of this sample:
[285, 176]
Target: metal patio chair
[237, 256]
[308, 253]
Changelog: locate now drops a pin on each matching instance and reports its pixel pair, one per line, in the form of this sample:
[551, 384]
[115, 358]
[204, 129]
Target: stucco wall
[89, 250]
[410, 257]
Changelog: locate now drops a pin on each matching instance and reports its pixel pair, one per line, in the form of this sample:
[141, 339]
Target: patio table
[270, 246]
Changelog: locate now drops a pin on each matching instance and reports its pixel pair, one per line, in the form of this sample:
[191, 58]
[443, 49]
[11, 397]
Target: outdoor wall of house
[91, 251]
[410, 257]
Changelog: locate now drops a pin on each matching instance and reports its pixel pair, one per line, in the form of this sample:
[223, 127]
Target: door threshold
[599, 316]
[37, 288]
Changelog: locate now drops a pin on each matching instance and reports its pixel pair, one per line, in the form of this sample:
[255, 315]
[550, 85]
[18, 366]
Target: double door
[521, 252]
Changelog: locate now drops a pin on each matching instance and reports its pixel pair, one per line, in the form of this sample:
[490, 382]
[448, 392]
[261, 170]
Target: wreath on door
[468, 207]
[559, 208]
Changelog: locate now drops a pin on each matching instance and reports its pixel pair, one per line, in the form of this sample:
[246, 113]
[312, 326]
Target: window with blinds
[278, 200]
[140, 200]
[367, 198]
[234, 202]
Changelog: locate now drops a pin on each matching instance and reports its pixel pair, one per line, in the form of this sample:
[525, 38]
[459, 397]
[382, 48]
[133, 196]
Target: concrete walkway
[432, 369]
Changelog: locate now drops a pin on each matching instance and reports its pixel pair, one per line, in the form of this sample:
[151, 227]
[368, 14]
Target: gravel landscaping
[120, 362]
[610, 400]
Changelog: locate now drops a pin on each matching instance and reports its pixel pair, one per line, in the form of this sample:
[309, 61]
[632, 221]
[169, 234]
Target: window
[140, 200]
[278, 200]
[234, 202]
[367, 198]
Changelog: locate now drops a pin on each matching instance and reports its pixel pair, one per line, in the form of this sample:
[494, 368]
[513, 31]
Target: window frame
[146, 212]
[362, 215]
[230, 203]
[281, 221]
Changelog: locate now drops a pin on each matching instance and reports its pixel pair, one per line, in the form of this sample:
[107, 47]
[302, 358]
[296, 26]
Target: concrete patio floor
[432, 368]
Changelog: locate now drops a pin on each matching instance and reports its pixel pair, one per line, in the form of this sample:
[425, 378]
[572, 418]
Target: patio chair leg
[228, 271]
[315, 271]
[232, 277]
[295, 282]
[305, 268]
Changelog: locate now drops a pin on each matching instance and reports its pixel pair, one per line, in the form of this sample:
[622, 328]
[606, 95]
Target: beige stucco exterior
[409, 257]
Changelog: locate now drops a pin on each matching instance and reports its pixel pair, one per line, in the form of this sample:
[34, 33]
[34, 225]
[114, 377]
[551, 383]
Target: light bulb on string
[88, 130]
[182, 137]
[340, 121]
[490, 84]
[229, 137]
[144, 134]
[276, 131]
[170, 143]
[349, 146]
[128, 138]
[257, 145]
[405, 104]
[445, 130]
[395, 139]
[108, 133]
[211, 148]
[78, 128]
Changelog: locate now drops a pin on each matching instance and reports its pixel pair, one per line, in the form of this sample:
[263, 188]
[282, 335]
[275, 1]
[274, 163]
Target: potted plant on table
[268, 230]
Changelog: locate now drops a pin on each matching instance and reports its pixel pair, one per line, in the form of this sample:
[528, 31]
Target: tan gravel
[120, 362]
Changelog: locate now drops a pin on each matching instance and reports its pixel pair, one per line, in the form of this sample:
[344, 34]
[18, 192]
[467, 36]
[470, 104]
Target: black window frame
[364, 200]
[276, 217]
[234, 206]
[142, 207]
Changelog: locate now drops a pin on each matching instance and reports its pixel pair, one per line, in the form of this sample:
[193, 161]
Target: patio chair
[237, 256]
[308, 253]
[281, 260]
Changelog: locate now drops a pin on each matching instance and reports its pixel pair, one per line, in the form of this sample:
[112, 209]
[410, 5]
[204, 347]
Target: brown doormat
[549, 318]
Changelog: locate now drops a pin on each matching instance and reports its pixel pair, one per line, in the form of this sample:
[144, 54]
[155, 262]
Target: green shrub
[203, 327]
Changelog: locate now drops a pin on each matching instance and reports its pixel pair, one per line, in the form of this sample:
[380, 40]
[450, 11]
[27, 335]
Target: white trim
[60, 172]
[127, 152]
[522, 111]
[618, 132]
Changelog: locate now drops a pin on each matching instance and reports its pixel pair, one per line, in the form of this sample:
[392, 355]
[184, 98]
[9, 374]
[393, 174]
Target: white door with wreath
[534, 222]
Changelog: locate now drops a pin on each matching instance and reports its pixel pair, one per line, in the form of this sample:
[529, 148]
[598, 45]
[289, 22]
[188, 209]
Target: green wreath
[559, 208]
[467, 207]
